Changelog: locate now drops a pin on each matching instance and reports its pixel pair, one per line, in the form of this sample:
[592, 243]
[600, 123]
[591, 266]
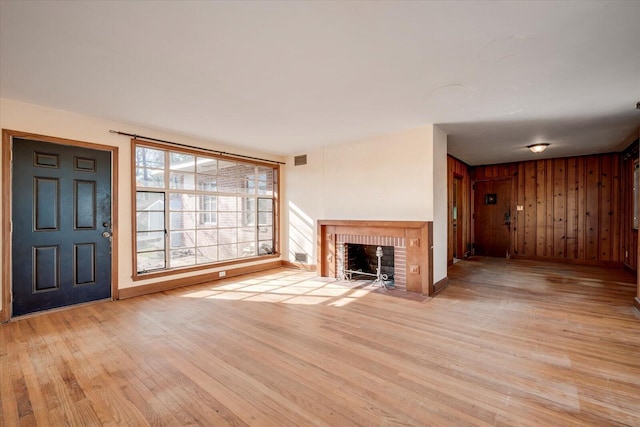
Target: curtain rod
[222, 153]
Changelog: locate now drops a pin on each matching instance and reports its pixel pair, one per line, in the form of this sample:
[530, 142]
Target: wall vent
[301, 257]
[300, 160]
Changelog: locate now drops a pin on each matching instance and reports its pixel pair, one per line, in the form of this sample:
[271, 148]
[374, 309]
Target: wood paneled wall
[629, 235]
[460, 170]
[574, 209]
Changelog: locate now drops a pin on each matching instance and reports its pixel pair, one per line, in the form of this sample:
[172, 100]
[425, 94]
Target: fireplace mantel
[417, 237]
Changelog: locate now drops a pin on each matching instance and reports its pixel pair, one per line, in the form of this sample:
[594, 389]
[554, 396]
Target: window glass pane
[227, 184]
[146, 177]
[182, 221]
[147, 261]
[227, 204]
[207, 220]
[265, 188]
[207, 237]
[206, 254]
[182, 162]
[149, 200]
[227, 219]
[207, 203]
[265, 218]
[182, 181]
[183, 239]
[265, 233]
[265, 205]
[247, 218]
[266, 247]
[246, 234]
[182, 202]
[226, 168]
[150, 240]
[149, 158]
[206, 183]
[246, 249]
[227, 252]
[150, 221]
[227, 235]
[182, 257]
[207, 165]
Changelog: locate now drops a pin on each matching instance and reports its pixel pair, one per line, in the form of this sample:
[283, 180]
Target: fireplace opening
[363, 258]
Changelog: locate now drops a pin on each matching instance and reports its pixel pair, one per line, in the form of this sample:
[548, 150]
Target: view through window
[194, 209]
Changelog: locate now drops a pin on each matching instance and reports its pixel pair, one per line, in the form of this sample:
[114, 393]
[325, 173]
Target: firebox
[363, 258]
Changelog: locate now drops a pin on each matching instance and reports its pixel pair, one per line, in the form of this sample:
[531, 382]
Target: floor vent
[301, 257]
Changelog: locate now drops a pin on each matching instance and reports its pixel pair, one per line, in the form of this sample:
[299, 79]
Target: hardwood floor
[506, 343]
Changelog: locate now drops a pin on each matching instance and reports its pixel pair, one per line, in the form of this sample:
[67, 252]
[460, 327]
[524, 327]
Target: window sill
[179, 270]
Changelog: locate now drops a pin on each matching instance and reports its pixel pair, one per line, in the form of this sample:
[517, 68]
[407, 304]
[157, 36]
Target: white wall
[383, 178]
[303, 205]
[31, 118]
[440, 220]
[389, 177]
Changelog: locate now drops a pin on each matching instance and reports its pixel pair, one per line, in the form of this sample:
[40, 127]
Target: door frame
[7, 186]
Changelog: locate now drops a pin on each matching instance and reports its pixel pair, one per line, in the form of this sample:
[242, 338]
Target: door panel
[61, 206]
[492, 218]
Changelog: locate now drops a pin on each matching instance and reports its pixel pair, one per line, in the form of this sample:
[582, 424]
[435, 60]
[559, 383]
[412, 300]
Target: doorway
[492, 218]
[61, 221]
[457, 219]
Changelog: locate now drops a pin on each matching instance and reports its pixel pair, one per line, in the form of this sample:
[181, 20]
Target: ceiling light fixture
[538, 148]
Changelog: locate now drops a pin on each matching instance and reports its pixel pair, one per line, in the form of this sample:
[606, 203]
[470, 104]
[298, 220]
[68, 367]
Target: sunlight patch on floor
[286, 289]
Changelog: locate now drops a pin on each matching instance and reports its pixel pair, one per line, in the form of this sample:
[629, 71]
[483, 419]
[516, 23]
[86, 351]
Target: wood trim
[194, 280]
[359, 223]
[196, 151]
[299, 266]
[636, 303]
[114, 223]
[440, 285]
[419, 268]
[6, 226]
[7, 138]
[610, 264]
[134, 240]
[174, 271]
[629, 269]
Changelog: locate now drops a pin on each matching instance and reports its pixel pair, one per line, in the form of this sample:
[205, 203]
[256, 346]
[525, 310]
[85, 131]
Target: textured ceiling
[284, 77]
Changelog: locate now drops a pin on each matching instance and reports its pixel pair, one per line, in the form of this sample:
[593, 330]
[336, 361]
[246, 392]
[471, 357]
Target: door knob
[106, 234]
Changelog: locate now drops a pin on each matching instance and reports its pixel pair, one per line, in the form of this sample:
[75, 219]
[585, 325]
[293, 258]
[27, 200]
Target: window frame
[167, 189]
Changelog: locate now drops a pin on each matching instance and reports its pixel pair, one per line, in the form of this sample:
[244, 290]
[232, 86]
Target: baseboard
[2, 319]
[194, 280]
[610, 264]
[629, 269]
[300, 266]
[440, 285]
[636, 303]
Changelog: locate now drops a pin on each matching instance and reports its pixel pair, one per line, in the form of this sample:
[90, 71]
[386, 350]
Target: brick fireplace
[411, 240]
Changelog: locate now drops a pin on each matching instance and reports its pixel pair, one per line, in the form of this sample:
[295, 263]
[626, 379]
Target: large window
[194, 209]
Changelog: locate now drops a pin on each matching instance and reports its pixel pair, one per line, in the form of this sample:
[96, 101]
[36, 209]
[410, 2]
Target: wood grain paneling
[574, 209]
[628, 234]
[458, 170]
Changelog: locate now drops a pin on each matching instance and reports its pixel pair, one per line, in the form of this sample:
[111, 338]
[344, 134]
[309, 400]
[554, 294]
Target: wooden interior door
[61, 216]
[492, 218]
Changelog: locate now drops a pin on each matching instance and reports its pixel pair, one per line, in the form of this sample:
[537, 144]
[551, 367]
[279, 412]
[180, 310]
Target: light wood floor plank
[508, 342]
